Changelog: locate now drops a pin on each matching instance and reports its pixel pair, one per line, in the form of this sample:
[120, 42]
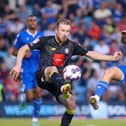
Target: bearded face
[123, 37]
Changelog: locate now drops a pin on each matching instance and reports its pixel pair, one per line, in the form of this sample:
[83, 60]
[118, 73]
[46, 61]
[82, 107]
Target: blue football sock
[36, 104]
[101, 88]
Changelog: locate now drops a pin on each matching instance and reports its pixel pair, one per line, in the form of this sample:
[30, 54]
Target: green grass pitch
[56, 122]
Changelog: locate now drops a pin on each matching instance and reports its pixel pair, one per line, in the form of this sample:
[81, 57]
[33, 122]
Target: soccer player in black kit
[55, 54]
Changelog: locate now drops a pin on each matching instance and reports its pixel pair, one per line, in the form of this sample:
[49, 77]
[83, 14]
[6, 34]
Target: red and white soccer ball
[71, 72]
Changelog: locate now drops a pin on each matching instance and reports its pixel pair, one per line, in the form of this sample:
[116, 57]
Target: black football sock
[66, 119]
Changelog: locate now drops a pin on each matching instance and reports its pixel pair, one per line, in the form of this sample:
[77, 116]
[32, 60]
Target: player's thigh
[122, 72]
[113, 73]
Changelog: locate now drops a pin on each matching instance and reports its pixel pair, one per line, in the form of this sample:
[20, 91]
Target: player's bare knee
[29, 98]
[51, 69]
[38, 92]
[39, 95]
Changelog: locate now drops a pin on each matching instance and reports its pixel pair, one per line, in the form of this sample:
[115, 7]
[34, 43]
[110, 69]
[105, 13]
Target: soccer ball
[71, 73]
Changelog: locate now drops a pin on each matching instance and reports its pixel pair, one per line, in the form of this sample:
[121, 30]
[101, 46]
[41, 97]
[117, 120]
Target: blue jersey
[29, 65]
[25, 37]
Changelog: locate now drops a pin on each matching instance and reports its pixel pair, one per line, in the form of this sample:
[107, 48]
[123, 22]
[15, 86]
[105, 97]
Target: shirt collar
[31, 33]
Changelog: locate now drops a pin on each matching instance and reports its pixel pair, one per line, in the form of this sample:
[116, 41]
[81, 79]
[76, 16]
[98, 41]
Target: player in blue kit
[30, 65]
[114, 73]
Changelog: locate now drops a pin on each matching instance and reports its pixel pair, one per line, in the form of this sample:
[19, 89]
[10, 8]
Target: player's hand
[15, 72]
[118, 55]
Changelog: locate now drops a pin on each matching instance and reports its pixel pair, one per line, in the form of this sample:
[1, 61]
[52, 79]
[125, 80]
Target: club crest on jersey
[66, 50]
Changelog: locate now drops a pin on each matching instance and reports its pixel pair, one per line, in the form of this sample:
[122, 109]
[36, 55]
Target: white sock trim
[34, 119]
[97, 98]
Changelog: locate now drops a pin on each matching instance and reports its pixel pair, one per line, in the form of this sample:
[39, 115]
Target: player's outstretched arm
[15, 71]
[98, 56]
[15, 52]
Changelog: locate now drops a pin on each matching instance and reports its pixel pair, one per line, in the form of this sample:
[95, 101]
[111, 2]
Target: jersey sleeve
[37, 43]
[17, 42]
[79, 50]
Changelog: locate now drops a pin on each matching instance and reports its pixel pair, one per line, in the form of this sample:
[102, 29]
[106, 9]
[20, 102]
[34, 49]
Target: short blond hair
[63, 21]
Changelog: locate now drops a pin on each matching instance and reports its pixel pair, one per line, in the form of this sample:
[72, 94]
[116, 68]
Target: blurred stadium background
[96, 25]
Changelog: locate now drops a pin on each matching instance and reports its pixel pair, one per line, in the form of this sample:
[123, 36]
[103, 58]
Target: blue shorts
[29, 80]
[123, 69]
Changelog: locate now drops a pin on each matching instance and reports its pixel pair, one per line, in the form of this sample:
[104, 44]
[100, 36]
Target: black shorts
[46, 85]
[40, 73]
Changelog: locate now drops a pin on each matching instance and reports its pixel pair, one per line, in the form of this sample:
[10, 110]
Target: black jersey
[54, 54]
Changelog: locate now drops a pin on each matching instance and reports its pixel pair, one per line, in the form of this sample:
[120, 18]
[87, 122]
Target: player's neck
[58, 40]
[32, 31]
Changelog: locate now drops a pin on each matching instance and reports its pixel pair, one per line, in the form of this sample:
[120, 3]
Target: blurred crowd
[96, 24]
